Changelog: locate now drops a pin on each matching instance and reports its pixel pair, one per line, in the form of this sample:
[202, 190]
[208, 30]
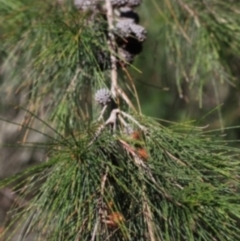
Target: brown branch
[113, 50]
[100, 211]
[148, 218]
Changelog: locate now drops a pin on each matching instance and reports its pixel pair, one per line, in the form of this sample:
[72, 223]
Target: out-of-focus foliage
[193, 49]
[45, 53]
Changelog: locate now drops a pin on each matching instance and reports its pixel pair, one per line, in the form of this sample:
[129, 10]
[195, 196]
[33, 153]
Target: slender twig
[123, 122]
[143, 128]
[113, 49]
[102, 112]
[192, 12]
[116, 91]
[103, 184]
[148, 218]
[175, 158]
[95, 230]
[134, 88]
[125, 98]
[72, 84]
[170, 7]
[111, 120]
[104, 179]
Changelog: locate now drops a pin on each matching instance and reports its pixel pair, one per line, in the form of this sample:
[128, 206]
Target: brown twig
[125, 98]
[143, 128]
[148, 218]
[100, 211]
[134, 89]
[111, 120]
[113, 50]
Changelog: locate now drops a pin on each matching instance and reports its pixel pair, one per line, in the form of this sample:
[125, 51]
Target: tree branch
[113, 50]
[100, 211]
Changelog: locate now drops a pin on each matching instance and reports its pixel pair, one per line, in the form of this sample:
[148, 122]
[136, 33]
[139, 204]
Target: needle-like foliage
[111, 173]
[194, 43]
[185, 189]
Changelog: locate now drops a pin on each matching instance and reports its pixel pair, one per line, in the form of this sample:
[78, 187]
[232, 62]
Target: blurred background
[190, 66]
[188, 71]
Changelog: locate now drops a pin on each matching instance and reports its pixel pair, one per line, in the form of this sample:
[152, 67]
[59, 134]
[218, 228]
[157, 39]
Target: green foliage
[191, 191]
[51, 56]
[192, 48]
[171, 184]
[195, 36]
